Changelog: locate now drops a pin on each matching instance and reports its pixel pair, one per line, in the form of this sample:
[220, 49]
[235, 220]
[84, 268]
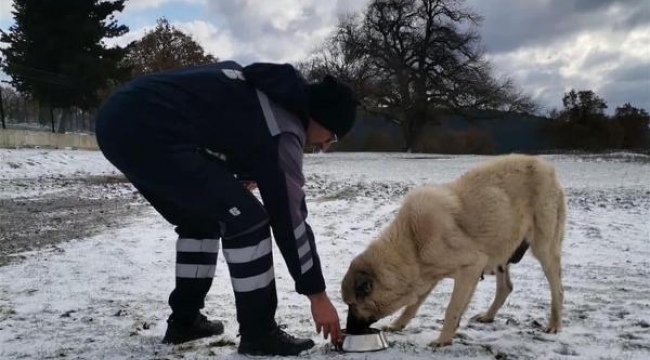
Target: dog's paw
[483, 318]
[552, 329]
[440, 343]
[393, 327]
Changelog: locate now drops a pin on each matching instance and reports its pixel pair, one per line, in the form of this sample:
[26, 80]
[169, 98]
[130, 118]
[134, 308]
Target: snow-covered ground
[104, 297]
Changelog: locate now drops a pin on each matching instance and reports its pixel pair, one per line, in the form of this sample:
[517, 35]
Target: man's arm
[284, 199]
[280, 180]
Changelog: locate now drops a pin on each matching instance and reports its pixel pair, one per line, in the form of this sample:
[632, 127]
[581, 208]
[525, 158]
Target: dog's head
[375, 287]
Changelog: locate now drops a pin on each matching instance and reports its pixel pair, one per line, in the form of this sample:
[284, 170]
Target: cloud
[547, 46]
[636, 93]
[510, 24]
[552, 46]
[281, 30]
[215, 41]
[127, 38]
[632, 73]
[6, 7]
[248, 31]
[607, 63]
[136, 5]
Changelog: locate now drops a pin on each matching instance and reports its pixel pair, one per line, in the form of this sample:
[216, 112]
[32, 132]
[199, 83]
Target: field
[87, 265]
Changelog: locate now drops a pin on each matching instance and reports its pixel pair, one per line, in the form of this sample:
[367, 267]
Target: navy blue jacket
[255, 118]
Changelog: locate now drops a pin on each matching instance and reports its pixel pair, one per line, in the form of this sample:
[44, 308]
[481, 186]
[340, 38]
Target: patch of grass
[343, 194]
[106, 179]
[222, 343]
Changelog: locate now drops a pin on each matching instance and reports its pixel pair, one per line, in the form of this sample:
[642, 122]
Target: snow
[104, 297]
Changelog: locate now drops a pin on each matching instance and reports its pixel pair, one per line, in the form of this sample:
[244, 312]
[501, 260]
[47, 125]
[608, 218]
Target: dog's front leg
[465, 281]
[409, 311]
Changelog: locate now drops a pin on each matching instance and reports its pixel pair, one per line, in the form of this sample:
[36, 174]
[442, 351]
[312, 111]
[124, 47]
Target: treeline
[583, 124]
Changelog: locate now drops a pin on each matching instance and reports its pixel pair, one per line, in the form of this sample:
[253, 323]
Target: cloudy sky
[547, 46]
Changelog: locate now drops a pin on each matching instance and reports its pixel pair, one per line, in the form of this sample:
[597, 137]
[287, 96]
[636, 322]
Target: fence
[21, 113]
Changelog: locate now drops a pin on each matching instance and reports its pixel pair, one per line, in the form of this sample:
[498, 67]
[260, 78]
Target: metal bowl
[374, 340]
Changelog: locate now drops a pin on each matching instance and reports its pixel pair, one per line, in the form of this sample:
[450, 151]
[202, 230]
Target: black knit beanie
[333, 104]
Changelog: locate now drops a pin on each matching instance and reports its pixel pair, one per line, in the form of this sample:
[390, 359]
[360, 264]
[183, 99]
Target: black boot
[277, 342]
[179, 332]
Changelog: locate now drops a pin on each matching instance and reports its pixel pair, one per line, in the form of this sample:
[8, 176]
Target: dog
[477, 224]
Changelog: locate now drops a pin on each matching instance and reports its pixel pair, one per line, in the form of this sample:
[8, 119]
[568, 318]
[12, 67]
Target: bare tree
[342, 57]
[417, 57]
[162, 48]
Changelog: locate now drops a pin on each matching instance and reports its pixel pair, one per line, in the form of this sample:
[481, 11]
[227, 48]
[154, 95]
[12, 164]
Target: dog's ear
[362, 284]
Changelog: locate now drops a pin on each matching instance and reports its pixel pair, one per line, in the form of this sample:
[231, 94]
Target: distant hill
[509, 132]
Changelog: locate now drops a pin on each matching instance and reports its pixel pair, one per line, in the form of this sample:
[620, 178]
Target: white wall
[25, 138]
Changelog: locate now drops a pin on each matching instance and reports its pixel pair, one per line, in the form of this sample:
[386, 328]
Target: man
[187, 139]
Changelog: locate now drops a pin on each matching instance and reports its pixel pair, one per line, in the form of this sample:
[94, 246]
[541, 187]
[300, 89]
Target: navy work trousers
[151, 143]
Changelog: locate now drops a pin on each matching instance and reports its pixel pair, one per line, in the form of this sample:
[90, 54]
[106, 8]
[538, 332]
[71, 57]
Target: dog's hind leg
[409, 312]
[465, 281]
[504, 288]
[547, 249]
[552, 269]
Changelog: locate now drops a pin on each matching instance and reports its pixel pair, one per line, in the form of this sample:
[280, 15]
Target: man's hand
[325, 317]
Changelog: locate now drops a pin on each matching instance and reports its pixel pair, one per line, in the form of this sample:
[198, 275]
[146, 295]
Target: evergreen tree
[56, 52]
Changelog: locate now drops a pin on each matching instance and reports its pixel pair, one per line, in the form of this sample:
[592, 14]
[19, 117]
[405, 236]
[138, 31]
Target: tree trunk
[410, 131]
[414, 121]
[52, 117]
[406, 134]
[63, 121]
[45, 114]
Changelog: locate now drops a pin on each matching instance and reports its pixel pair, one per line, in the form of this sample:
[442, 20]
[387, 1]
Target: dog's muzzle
[357, 325]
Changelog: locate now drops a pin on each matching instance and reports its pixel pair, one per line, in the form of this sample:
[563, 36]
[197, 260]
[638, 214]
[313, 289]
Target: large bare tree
[340, 56]
[411, 58]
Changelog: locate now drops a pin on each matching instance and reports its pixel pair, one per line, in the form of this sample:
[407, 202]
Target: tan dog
[479, 223]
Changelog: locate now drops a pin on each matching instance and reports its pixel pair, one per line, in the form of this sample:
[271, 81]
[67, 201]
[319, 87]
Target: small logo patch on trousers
[234, 211]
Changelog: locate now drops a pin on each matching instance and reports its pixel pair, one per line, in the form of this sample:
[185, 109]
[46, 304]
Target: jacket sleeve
[280, 180]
